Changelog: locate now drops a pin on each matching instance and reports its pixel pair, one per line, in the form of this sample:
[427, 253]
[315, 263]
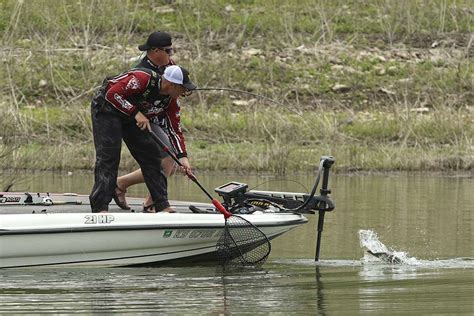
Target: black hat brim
[189, 86]
[143, 47]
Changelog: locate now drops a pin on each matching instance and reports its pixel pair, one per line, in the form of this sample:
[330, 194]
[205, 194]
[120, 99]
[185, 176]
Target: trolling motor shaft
[327, 162]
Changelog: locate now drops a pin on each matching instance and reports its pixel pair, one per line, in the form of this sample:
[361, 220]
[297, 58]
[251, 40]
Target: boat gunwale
[99, 228]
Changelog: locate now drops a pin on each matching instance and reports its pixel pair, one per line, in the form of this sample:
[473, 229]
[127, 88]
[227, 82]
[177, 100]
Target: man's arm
[122, 87]
[173, 118]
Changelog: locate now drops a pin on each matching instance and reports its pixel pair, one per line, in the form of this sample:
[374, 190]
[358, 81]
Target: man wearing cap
[120, 110]
[165, 123]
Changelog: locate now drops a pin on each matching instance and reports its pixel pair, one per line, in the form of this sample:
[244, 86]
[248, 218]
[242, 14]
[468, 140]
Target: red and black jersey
[135, 90]
[125, 93]
[167, 117]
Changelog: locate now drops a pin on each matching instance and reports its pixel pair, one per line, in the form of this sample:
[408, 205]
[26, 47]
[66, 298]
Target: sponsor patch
[7, 199]
[124, 103]
[154, 111]
[158, 103]
[133, 84]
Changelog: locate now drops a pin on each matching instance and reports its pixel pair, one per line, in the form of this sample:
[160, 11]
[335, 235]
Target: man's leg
[148, 155]
[129, 179]
[107, 131]
[136, 177]
[169, 166]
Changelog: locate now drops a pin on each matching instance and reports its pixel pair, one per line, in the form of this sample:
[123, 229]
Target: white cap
[178, 75]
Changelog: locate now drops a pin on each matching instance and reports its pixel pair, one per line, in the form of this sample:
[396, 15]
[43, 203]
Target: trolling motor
[236, 196]
[238, 199]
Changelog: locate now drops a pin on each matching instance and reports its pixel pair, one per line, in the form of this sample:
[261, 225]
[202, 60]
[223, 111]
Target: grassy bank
[381, 85]
[261, 138]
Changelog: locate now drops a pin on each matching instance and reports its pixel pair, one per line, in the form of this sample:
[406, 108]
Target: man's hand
[142, 121]
[186, 168]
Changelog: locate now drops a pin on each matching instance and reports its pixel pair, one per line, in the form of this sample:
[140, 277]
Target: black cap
[156, 39]
[186, 81]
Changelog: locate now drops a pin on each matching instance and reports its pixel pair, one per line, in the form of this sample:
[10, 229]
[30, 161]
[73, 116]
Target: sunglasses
[186, 92]
[168, 50]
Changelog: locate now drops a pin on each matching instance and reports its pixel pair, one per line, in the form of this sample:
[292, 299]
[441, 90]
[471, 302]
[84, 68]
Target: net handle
[191, 176]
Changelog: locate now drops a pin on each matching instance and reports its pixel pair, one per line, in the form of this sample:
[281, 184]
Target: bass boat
[43, 229]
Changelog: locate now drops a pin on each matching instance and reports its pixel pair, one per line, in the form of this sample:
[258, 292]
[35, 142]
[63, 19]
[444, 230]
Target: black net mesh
[242, 244]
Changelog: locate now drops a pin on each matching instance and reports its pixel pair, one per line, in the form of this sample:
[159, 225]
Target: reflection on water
[282, 286]
[430, 218]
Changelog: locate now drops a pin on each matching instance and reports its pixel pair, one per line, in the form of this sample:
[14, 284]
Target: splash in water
[376, 251]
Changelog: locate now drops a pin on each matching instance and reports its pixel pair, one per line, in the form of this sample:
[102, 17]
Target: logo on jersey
[124, 103]
[154, 111]
[133, 84]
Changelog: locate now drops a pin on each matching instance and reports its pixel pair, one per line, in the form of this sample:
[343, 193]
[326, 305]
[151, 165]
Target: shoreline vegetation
[379, 85]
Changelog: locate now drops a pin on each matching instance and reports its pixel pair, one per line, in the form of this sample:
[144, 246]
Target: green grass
[394, 57]
[266, 139]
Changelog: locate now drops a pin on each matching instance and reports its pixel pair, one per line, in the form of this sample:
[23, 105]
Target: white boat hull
[119, 239]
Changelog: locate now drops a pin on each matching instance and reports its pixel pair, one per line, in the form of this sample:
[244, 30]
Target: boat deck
[28, 203]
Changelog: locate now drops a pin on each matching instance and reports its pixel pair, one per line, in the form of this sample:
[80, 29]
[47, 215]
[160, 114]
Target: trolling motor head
[328, 161]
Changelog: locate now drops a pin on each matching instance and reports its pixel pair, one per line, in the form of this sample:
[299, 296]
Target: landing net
[242, 244]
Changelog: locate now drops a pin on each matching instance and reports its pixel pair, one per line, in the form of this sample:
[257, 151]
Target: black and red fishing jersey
[138, 90]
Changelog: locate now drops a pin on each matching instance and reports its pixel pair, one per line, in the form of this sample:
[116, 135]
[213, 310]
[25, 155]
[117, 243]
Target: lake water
[427, 218]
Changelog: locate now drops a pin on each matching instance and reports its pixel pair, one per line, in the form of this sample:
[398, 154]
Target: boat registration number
[192, 233]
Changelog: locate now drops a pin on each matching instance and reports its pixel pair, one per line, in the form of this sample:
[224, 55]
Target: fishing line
[252, 94]
[241, 91]
[308, 200]
[282, 180]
